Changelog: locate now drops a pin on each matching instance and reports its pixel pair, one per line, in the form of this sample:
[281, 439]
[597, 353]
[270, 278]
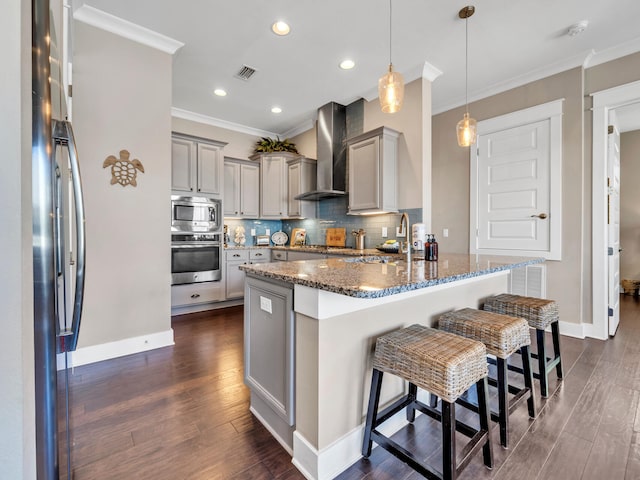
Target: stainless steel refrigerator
[58, 239]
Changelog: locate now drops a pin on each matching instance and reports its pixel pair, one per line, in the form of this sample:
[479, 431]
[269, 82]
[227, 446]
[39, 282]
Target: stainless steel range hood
[332, 153]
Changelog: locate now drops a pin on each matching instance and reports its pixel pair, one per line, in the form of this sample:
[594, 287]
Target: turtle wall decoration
[123, 170]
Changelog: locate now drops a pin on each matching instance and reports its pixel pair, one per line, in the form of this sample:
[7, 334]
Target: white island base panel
[335, 340]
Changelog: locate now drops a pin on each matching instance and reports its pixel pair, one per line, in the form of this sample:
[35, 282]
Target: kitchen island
[310, 330]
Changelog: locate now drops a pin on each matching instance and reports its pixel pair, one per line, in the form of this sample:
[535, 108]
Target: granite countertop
[312, 249]
[382, 275]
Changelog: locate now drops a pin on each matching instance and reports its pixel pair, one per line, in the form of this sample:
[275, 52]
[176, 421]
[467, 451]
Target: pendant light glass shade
[466, 128]
[391, 84]
[391, 91]
[466, 131]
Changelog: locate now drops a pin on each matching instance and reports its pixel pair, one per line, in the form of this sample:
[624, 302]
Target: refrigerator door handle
[63, 135]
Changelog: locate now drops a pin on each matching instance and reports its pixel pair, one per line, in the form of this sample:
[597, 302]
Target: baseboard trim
[575, 330]
[271, 430]
[119, 348]
[341, 454]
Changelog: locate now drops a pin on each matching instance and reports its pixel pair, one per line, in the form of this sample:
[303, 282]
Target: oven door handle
[196, 245]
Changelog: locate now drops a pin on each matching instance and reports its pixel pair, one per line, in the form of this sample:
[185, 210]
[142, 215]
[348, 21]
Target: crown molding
[613, 53]
[496, 88]
[303, 127]
[123, 28]
[587, 59]
[216, 122]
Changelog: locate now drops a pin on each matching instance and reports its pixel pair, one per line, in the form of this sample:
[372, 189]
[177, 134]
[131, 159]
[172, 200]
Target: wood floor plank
[567, 460]
[182, 412]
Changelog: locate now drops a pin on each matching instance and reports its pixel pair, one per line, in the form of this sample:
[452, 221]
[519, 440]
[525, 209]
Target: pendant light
[466, 127]
[391, 84]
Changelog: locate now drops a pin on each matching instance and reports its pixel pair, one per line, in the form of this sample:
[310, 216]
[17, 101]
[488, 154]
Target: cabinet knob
[195, 295]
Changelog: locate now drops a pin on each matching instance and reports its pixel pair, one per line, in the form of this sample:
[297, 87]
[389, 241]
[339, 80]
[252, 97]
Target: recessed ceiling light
[280, 28]
[347, 64]
[276, 110]
[220, 92]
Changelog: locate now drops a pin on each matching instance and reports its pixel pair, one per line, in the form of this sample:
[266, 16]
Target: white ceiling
[511, 42]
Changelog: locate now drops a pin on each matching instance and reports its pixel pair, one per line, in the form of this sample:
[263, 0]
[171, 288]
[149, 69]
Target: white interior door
[516, 178]
[613, 224]
[513, 188]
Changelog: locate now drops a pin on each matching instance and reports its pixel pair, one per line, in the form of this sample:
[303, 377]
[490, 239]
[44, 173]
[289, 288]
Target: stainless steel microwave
[195, 214]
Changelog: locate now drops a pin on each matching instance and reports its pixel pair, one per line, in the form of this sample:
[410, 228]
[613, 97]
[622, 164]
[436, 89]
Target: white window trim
[551, 111]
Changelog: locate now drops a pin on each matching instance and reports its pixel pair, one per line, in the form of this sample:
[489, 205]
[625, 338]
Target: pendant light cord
[466, 64]
[390, 26]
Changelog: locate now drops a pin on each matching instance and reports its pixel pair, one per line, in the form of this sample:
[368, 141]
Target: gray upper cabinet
[373, 172]
[301, 178]
[196, 165]
[241, 188]
[273, 184]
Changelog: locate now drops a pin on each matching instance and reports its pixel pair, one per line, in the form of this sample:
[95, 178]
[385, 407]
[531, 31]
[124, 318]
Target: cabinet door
[183, 165]
[231, 188]
[234, 279]
[233, 276]
[210, 162]
[294, 185]
[269, 346]
[274, 189]
[364, 174]
[250, 191]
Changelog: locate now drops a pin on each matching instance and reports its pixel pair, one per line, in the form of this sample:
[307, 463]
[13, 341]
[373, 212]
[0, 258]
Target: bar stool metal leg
[528, 378]
[482, 389]
[372, 411]
[555, 333]
[448, 440]
[542, 363]
[503, 402]
[413, 395]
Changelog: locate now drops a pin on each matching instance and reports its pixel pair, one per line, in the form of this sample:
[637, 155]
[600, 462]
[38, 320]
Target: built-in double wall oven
[196, 239]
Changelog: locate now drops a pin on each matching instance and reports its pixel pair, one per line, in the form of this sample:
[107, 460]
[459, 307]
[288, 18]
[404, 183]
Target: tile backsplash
[331, 214]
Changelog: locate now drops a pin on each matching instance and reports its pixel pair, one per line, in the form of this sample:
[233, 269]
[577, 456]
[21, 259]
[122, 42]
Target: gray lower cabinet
[192, 294]
[269, 350]
[234, 277]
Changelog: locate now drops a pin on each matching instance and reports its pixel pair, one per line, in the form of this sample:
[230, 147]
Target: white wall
[17, 396]
[414, 155]
[122, 100]
[568, 280]
[630, 205]
[239, 145]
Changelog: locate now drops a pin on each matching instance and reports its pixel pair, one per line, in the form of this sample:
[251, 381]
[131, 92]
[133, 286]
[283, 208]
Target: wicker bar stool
[442, 363]
[503, 336]
[540, 314]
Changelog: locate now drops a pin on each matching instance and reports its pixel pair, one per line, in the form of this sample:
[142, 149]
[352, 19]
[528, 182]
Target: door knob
[541, 216]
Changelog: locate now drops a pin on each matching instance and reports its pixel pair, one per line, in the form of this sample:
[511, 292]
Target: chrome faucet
[404, 227]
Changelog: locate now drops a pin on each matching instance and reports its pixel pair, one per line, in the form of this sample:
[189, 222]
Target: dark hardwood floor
[182, 412]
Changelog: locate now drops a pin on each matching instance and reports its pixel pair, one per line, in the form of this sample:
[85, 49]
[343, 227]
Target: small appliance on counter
[359, 234]
[261, 240]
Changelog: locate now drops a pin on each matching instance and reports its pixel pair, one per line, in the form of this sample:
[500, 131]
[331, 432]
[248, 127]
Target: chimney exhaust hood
[331, 134]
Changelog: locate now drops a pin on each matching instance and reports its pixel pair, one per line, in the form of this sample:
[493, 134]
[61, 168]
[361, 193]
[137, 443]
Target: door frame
[603, 102]
[553, 112]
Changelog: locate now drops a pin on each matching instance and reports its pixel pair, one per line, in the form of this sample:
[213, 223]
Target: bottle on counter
[433, 248]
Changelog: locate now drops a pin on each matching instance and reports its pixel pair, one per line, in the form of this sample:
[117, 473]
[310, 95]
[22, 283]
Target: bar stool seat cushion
[539, 312]
[502, 335]
[442, 363]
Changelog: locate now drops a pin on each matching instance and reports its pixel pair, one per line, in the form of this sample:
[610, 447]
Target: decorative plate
[279, 238]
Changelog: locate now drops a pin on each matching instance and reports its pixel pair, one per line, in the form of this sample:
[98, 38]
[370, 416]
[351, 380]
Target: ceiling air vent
[245, 73]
